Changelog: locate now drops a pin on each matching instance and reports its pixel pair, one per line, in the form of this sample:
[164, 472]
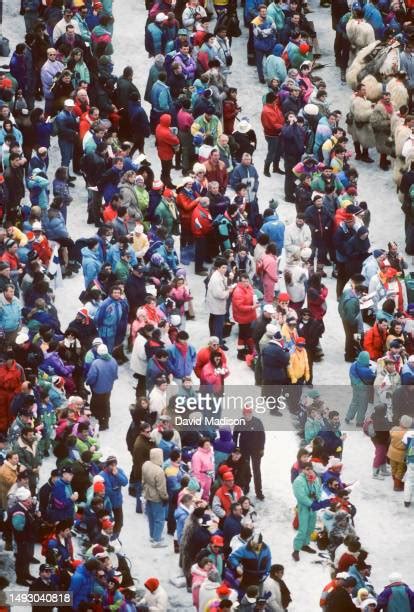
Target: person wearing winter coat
[181, 356]
[114, 479]
[166, 143]
[380, 121]
[244, 307]
[396, 595]
[397, 450]
[218, 292]
[298, 368]
[272, 120]
[84, 581]
[111, 319]
[275, 590]
[339, 599]
[375, 339]
[48, 72]
[156, 597]
[307, 490]
[225, 500]
[275, 360]
[154, 35]
[274, 228]
[264, 38]
[154, 489]
[360, 128]
[10, 313]
[269, 272]
[350, 313]
[202, 466]
[359, 32]
[252, 562]
[167, 211]
[62, 498]
[319, 220]
[362, 376]
[101, 378]
[381, 440]
[223, 446]
[91, 261]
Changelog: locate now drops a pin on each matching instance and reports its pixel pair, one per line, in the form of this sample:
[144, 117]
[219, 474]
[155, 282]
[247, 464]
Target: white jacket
[60, 28]
[296, 237]
[138, 356]
[274, 602]
[217, 294]
[156, 601]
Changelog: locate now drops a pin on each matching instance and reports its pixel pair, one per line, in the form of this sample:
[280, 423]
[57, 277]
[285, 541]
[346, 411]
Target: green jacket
[305, 492]
[348, 307]
[83, 445]
[318, 184]
[312, 428]
[275, 12]
[166, 212]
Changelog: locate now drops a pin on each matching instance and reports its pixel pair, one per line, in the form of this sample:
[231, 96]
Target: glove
[317, 505]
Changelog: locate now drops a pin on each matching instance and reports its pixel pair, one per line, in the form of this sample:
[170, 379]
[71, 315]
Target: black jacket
[250, 437]
[93, 167]
[339, 600]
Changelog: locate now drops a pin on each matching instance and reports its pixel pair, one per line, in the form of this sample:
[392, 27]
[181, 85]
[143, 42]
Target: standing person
[362, 376]
[307, 489]
[264, 38]
[166, 142]
[114, 478]
[244, 307]
[111, 320]
[319, 219]
[396, 595]
[154, 488]
[251, 439]
[10, 314]
[67, 133]
[14, 182]
[48, 72]
[202, 465]
[272, 122]
[100, 378]
[140, 454]
[408, 441]
[350, 313]
[380, 121]
[23, 522]
[218, 292]
[396, 451]
[275, 590]
[293, 144]
[381, 441]
[268, 268]
[62, 497]
[201, 229]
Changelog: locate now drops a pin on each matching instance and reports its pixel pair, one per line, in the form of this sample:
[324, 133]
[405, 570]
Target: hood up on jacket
[156, 456]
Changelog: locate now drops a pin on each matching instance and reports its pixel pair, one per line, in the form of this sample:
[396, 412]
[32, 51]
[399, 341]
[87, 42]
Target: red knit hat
[152, 584]
[228, 476]
[223, 469]
[99, 487]
[217, 540]
[304, 48]
[223, 590]
[283, 297]
[300, 341]
[107, 523]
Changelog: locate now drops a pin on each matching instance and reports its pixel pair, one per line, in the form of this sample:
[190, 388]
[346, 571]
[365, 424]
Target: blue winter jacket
[181, 514]
[82, 585]
[274, 363]
[113, 486]
[323, 132]
[275, 229]
[179, 365]
[251, 10]
[255, 567]
[61, 506]
[15, 132]
[10, 314]
[373, 16]
[154, 39]
[407, 375]
[55, 226]
[114, 255]
[223, 446]
[161, 99]
[39, 190]
[66, 125]
[396, 597]
[53, 364]
[111, 319]
[102, 374]
[170, 257]
[91, 264]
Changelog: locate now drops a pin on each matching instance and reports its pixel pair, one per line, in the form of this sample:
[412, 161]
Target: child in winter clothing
[396, 451]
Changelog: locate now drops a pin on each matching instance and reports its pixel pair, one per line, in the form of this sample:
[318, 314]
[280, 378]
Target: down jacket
[165, 139]
[154, 482]
[243, 304]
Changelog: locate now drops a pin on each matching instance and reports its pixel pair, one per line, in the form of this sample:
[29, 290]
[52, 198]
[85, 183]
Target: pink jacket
[202, 462]
[180, 294]
[270, 267]
[209, 377]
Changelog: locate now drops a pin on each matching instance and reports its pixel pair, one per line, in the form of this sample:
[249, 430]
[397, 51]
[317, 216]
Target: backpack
[368, 427]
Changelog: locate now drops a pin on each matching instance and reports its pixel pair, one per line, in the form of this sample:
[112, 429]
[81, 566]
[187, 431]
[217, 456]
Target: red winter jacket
[228, 498]
[374, 342]
[242, 301]
[201, 221]
[185, 205]
[272, 119]
[165, 140]
[203, 357]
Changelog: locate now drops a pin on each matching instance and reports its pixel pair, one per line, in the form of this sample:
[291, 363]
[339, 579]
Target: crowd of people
[265, 276]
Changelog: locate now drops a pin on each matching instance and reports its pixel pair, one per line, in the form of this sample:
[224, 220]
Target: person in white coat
[60, 27]
[155, 598]
[275, 590]
[139, 359]
[218, 292]
[297, 234]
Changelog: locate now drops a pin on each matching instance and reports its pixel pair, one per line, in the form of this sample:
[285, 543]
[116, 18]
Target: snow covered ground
[382, 522]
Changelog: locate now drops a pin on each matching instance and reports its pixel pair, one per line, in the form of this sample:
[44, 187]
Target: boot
[366, 158]
[119, 356]
[176, 547]
[277, 170]
[376, 474]
[358, 152]
[398, 484]
[407, 504]
[343, 75]
[266, 170]
[384, 470]
[384, 163]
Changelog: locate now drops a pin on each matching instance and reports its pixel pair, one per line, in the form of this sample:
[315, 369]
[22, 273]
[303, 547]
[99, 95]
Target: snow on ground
[382, 522]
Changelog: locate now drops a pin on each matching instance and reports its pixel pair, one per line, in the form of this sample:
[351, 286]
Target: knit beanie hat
[152, 584]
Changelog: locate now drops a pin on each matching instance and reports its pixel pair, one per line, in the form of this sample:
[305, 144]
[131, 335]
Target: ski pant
[359, 403]
[409, 482]
[307, 522]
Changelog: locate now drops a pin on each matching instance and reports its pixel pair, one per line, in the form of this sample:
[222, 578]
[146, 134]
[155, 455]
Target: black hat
[32, 255]
[66, 470]
[45, 566]
[4, 265]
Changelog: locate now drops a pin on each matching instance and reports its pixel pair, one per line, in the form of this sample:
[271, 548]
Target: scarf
[183, 348]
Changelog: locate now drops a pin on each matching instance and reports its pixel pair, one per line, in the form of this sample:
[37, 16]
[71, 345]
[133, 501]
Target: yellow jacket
[298, 366]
